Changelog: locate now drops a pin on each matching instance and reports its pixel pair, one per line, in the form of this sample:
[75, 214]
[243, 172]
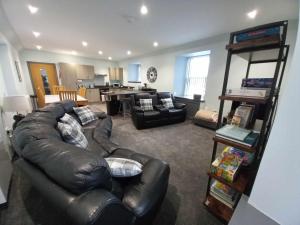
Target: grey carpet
[186, 147]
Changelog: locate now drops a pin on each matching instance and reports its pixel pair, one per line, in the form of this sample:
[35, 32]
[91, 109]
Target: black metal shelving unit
[248, 49]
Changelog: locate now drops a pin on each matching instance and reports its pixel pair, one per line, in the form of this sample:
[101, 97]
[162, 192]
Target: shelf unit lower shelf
[218, 208]
[240, 183]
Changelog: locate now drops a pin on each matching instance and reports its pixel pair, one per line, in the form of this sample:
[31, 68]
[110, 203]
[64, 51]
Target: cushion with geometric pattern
[146, 104]
[121, 167]
[167, 102]
[85, 114]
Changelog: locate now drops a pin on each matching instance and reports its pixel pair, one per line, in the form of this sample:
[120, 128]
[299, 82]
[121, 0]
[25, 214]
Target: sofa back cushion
[76, 170]
[137, 98]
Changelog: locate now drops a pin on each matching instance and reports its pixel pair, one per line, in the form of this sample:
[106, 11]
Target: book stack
[253, 87]
[246, 156]
[224, 193]
[227, 166]
[258, 34]
[239, 135]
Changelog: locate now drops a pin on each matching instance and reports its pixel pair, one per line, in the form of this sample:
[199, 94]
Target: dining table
[55, 98]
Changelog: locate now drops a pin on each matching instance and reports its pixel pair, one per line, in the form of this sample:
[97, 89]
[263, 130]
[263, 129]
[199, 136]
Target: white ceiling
[115, 26]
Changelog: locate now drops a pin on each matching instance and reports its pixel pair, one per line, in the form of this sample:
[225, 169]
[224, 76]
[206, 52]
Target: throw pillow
[167, 102]
[72, 135]
[146, 104]
[70, 121]
[85, 114]
[120, 167]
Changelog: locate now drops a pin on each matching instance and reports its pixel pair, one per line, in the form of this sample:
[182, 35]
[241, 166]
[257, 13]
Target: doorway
[43, 76]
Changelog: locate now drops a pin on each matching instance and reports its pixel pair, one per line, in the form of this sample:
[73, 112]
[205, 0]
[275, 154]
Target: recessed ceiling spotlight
[84, 43]
[109, 58]
[73, 52]
[36, 34]
[155, 44]
[39, 47]
[100, 53]
[252, 14]
[128, 52]
[33, 9]
[144, 10]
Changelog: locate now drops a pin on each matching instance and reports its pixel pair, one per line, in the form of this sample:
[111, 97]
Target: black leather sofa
[77, 182]
[159, 115]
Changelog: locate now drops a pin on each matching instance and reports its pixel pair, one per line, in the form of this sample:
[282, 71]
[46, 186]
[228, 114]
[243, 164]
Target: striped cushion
[146, 104]
[70, 121]
[72, 135]
[167, 102]
[120, 167]
[85, 114]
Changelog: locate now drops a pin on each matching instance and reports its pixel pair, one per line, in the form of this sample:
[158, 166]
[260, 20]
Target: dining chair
[68, 95]
[40, 98]
[82, 91]
[57, 88]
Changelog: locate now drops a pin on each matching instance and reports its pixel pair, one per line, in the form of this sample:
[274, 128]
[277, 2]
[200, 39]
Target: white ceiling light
[252, 14]
[144, 10]
[84, 43]
[109, 58]
[39, 47]
[155, 44]
[128, 52]
[36, 34]
[100, 53]
[33, 9]
[73, 52]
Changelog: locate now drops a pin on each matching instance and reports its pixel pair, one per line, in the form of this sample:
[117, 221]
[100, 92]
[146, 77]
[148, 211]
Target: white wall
[101, 66]
[276, 191]
[165, 60]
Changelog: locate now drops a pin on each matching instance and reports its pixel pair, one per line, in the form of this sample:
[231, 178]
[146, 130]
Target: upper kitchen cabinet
[115, 74]
[85, 72]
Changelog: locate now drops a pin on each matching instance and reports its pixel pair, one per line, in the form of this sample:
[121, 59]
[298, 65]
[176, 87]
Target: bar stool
[125, 105]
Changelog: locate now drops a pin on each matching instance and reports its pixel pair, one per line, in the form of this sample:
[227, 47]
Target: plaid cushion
[167, 102]
[120, 167]
[85, 114]
[71, 121]
[72, 135]
[146, 104]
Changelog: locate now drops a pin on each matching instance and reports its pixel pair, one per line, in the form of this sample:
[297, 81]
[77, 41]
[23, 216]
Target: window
[134, 73]
[196, 75]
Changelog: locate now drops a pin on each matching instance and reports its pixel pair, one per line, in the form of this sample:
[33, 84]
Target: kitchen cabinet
[68, 76]
[93, 95]
[85, 72]
[115, 74]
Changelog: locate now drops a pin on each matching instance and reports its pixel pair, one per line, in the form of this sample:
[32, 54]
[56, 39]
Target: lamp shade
[17, 103]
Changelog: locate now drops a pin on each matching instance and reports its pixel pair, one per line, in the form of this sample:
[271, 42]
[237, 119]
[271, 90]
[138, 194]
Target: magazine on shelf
[249, 141]
[243, 115]
[233, 132]
[257, 82]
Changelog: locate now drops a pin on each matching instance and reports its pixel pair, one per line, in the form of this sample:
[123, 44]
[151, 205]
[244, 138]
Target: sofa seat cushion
[94, 145]
[175, 112]
[151, 115]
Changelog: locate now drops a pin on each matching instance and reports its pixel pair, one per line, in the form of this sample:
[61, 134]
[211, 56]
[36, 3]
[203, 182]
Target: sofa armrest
[99, 207]
[146, 195]
[100, 115]
[138, 109]
[179, 105]
[161, 108]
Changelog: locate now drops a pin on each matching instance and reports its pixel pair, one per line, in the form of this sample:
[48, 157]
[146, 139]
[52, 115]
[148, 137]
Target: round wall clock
[152, 74]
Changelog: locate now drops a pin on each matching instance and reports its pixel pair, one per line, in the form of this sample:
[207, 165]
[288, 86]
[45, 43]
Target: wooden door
[43, 76]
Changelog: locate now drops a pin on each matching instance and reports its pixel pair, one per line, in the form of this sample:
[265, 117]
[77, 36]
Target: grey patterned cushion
[72, 135]
[85, 114]
[146, 104]
[167, 102]
[120, 167]
[70, 121]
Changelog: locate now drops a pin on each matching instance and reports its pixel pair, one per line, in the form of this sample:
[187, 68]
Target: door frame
[32, 62]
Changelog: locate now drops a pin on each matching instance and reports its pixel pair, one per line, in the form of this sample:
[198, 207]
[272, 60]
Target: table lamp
[17, 103]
